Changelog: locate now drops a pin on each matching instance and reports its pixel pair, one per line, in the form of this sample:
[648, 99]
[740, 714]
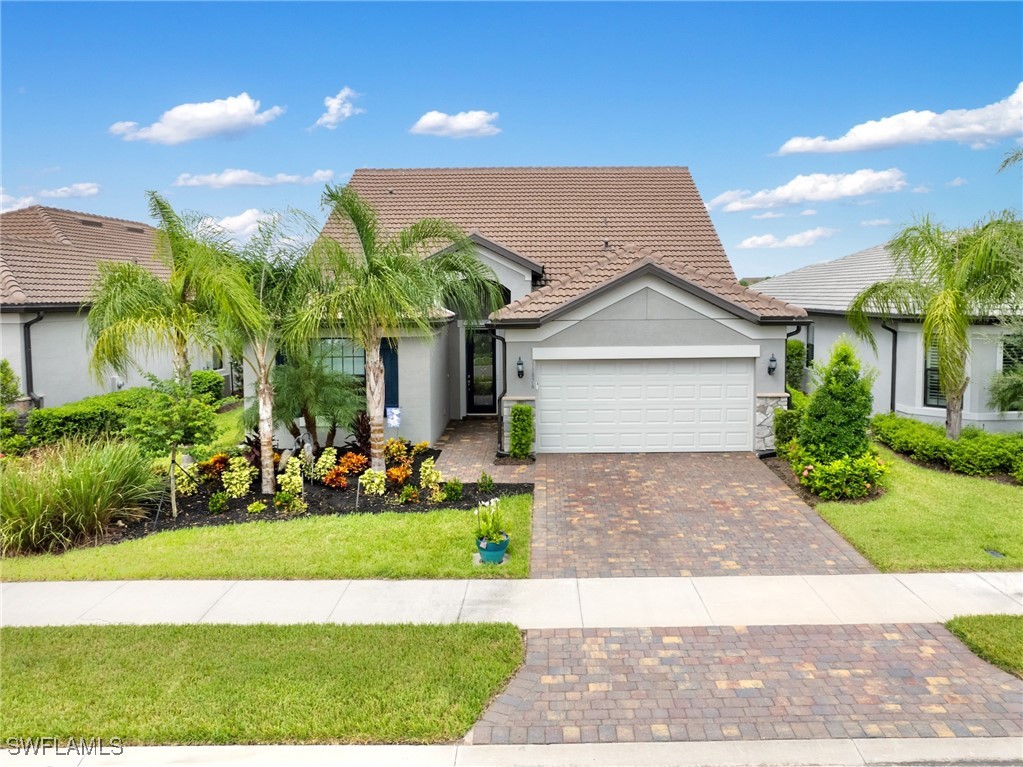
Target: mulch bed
[783, 471]
[193, 510]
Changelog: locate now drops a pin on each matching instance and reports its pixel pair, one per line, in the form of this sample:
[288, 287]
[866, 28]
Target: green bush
[1017, 470]
[87, 419]
[797, 399]
[374, 482]
[70, 492]
[10, 385]
[786, 425]
[843, 478]
[238, 477]
[836, 420]
[485, 486]
[453, 490]
[218, 503]
[208, 385]
[795, 361]
[522, 431]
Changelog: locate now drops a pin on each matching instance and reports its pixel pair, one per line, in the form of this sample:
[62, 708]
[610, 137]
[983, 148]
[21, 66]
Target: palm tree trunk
[182, 367]
[265, 402]
[311, 426]
[375, 403]
[173, 483]
[954, 416]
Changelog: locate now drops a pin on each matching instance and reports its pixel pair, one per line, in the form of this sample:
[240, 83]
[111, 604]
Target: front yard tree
[949, 278]
[377, 285]
[133, 309]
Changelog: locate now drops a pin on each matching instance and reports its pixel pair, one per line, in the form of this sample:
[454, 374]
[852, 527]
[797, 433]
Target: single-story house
[624, 324]
[907, 373]
[48, 264]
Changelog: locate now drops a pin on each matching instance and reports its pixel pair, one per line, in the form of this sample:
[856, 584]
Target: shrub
[420, 447]
[208, 385]
[839, 411]
[399, 475]
[336, 479]
[453, 490]
[1017, 470]
[256, 507]
[10, 385]
[430, 479]
[69, 492]
[396, 450]
[786, 425]
[373, 482]
[325, 463]
[485, 486]
[213, 467]
[15, 444]
[218, 503]
[522, 431]
[90, 418]
[975, 452]
[843, 478]
[408, 494]
[797, 400]
[290, 480]
[982, 453]
[795, 361]
[289, 503]
[238, 477]
[353, 463]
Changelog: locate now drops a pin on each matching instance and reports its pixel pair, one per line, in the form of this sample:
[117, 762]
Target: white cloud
[768, 214]
[976, 127]
[10, 202]
[921, 189]
[816, 187]
[957, 181]
[238, 177]
[188, 122]
[339, 108]
[876, 222]
[462, 125]
[800, 240]
[808, 212]
[75, 190]
[244, 225]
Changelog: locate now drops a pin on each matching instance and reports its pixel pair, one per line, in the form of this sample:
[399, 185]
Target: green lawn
[434, 544]
[998, 639]
[934, 521]
[254, 684]
[230, 426]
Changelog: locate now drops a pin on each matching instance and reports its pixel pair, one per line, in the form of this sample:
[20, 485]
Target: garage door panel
[644, 405]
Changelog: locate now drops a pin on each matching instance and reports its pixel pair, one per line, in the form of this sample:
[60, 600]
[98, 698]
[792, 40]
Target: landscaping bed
[191, 685]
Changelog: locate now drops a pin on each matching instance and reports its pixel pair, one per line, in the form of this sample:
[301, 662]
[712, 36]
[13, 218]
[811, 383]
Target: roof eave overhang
[516, 258]
[41, 307]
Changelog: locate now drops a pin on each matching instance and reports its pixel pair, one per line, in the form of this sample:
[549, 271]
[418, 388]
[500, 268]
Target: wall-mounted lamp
[772, 365]
[520, 368]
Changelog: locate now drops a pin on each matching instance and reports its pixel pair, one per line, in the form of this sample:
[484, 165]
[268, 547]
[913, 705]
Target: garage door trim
[644, 352]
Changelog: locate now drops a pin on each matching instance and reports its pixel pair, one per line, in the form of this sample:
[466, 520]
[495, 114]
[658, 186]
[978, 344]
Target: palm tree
[132, 309]
[376, 286]
[949, 278]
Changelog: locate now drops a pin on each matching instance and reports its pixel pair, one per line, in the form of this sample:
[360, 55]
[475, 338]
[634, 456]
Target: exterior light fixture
[772, 365]
[520, 368]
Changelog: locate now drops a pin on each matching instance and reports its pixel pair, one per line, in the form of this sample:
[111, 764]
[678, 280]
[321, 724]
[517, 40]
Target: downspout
[895, 350]
[26, 330]
[504, 391]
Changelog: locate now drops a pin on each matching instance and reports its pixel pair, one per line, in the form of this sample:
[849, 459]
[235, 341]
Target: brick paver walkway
[676, 514]
[756, 683]
[468, 448]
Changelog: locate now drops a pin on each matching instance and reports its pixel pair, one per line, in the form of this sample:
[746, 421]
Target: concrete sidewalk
[838, 753]
[529, 604]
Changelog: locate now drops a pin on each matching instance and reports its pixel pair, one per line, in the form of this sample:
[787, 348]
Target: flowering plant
[490, 522]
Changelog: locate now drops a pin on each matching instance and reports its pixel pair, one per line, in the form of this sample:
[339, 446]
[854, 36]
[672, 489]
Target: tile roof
[566, 219]
[832, 285]
[630, 260]
[48, 256]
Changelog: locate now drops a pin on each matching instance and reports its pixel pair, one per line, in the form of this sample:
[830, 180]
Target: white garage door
[660, 405]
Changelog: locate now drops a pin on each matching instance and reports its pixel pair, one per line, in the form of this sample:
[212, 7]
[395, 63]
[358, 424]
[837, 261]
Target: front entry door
[481, 373]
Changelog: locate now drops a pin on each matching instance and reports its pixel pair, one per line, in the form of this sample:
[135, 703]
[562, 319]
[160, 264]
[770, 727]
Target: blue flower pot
[491, 552]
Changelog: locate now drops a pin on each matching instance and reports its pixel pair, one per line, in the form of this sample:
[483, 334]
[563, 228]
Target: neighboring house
[624, 324]
[48, 263]
[907, 374]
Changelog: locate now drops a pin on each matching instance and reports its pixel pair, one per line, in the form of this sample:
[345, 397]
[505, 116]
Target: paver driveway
[676, 514]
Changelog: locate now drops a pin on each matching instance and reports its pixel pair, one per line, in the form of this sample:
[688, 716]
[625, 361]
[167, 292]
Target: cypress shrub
[522, 431]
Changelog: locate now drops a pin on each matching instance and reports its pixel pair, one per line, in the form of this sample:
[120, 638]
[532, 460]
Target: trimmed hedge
[786, 426]
[522, 431]
[795, 361]
[90, 418]
[976, 452]
[208, 383]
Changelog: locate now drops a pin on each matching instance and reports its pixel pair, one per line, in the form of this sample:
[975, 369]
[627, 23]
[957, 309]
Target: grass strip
[934, 521]
[253, 684]
[998, 639]
[433, 544]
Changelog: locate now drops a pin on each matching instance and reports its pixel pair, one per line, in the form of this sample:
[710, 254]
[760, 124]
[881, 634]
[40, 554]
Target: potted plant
[491, 538]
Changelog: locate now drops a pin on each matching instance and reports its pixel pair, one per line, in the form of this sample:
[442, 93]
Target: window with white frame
[933, 396]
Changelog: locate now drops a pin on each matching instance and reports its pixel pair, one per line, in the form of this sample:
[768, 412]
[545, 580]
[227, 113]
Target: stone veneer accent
[763, 438]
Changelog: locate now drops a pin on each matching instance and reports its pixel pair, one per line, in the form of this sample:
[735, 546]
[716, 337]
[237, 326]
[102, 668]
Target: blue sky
[104, 101]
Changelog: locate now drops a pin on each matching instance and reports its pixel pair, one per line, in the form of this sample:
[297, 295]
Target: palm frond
[897, 297]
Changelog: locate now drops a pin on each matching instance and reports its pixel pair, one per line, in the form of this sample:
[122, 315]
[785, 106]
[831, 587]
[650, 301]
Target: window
[344, 356]
[809, 345]
[1012, 353]
[933, 396]
[216, 358]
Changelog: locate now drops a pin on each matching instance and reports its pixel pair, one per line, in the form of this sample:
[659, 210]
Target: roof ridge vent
[90, 222]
